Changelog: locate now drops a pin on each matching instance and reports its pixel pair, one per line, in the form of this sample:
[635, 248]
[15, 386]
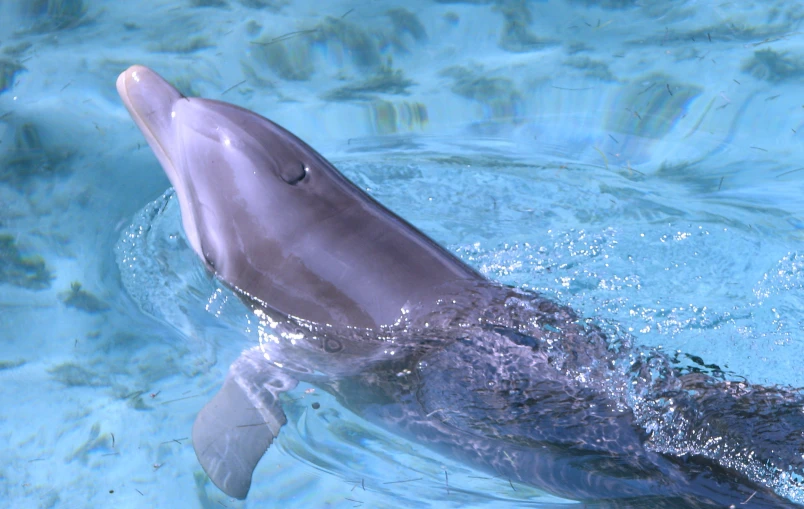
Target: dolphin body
[357, 301]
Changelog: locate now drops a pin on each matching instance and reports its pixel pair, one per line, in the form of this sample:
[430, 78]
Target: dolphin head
[222, 159]
[274, 219]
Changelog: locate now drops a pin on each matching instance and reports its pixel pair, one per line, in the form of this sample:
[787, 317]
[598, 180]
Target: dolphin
[357, 301]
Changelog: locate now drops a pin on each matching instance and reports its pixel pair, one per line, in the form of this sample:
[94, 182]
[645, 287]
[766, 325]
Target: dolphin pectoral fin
[236, 427]
[230, 436]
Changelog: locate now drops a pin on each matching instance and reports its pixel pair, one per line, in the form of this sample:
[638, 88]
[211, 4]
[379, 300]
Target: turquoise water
[640, 162]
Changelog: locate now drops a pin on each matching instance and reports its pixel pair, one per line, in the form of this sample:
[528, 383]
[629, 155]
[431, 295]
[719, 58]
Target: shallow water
[640, 163]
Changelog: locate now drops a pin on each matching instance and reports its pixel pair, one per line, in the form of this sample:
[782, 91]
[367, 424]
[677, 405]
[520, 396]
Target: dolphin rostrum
[355, 300]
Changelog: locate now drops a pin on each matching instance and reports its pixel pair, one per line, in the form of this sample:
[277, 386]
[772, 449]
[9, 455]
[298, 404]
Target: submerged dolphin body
[357, 301]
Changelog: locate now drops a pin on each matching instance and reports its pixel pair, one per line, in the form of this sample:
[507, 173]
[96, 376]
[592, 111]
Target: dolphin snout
[149, 99]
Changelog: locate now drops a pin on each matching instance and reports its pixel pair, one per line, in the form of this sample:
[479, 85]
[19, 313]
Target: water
[640, 163]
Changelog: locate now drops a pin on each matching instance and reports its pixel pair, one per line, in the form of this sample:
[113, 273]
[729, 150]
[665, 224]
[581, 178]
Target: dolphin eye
[294, 173]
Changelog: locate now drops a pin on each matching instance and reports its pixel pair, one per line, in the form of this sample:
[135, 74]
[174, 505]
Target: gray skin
[506, 381]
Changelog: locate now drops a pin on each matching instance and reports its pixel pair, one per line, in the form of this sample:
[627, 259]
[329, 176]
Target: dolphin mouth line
[150, 101]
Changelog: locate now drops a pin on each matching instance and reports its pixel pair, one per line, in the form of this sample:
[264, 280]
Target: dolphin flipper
[233, 430]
